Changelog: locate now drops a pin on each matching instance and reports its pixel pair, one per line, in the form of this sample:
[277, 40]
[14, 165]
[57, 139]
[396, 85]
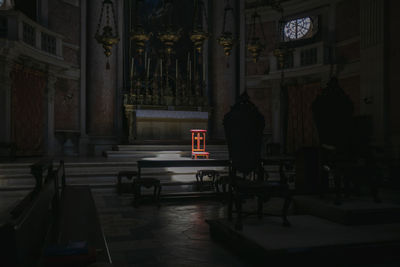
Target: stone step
[112, 171]
[69, 163]
[174, 175]
[156, 148]
[170, 154]
[167, 186]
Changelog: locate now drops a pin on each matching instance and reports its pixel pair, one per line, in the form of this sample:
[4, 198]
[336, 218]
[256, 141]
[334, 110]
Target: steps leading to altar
[102, 171]
[163, 151]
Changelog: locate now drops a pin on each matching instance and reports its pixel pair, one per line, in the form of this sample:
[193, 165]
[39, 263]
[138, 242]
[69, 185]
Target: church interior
[199, 133]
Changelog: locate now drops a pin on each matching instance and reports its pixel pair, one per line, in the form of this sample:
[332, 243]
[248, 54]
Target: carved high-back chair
[244, 126]
[332, 113]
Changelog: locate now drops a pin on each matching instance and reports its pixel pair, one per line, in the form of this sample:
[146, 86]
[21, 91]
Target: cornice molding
[291, 8]
[17, 51]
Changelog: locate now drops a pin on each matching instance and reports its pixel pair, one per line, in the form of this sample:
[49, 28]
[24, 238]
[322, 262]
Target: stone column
[83, 139]
[276, 112]
[242, 46]
[372, 65]
[101, 83]
[51, 140]
[119, 114]
[5, 100]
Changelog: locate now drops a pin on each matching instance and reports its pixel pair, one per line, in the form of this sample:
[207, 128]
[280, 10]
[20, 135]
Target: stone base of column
[97, 144]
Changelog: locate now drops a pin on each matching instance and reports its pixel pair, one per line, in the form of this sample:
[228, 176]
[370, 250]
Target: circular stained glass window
[297, 28]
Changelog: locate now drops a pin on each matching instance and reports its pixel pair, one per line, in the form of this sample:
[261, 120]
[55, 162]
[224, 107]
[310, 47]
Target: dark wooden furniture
[24, 228]
[40, 169]
[50, 216]
[127, 174]
[179, 163]
[244, 127]
[77, 220]
[213, 174]
[138, 183]
[345, 149]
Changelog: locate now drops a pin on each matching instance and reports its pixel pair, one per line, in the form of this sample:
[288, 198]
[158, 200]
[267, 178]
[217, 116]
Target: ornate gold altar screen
[167, 92]
[166, 103]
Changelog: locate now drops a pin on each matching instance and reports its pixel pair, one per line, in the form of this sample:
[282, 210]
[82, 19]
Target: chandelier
[226, 39]
[254, 45]
[139, 34]
[108, 37]
[169, 37]
[198, 35]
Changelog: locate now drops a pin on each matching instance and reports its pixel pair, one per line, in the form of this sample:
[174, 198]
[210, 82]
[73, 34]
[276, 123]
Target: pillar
[5, 100]
[372, 65]
[223, 69]
[51, 140]
[101, 84]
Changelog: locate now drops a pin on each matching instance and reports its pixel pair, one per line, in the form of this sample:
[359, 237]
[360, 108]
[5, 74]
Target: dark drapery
[27, 110]
[301, 130]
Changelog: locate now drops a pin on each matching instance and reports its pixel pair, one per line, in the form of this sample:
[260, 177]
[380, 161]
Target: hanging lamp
[226, 40]
[109, 36]
[198, 35]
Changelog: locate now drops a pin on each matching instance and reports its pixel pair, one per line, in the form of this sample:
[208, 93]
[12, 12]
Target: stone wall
[338, 39]
[64, 18]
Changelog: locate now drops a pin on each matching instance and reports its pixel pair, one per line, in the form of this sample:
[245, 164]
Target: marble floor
[175, 234]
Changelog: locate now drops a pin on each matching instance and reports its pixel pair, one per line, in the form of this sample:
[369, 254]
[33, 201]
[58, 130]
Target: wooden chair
[244, 126]
[345, 142]
[199, 143]
[128, 174]
[212, 174]
[147, 182]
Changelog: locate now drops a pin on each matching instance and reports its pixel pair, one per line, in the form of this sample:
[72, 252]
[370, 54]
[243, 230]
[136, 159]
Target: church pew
[23, 230]
[47, 219]
[77, 222]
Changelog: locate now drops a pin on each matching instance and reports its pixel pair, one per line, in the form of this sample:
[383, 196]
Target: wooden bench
[47, 217]
[180, 163]
[127, 174]
[213, 174]
[24, 228]
[77, 221]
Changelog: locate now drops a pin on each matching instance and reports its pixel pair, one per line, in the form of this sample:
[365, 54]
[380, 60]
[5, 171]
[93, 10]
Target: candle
[188, 63]
[176, 69]
[204, 70]
[145, 60]
[148, 68]
[133, 63]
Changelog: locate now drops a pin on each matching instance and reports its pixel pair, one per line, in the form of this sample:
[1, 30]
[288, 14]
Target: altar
[152, 124]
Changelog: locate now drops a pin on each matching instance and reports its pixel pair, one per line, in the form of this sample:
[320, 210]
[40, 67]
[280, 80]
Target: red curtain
[301, 129]
[28, 98]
